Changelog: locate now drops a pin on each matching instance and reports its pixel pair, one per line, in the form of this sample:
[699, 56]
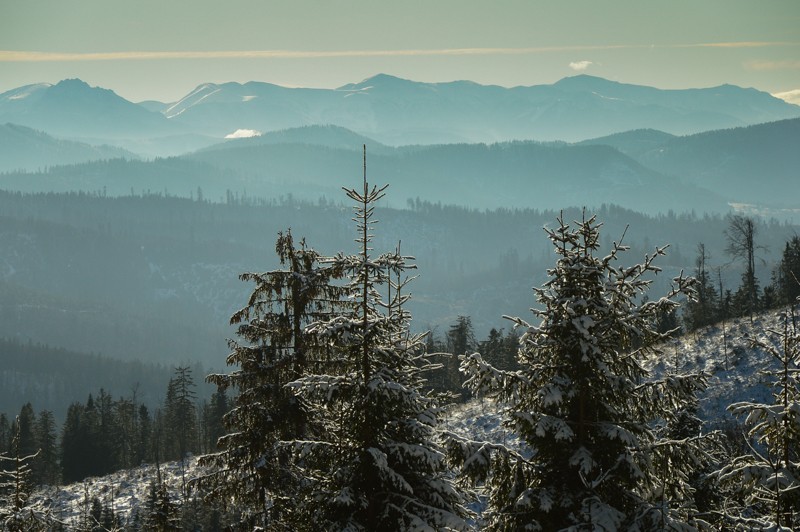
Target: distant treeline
[51, 378]
[105, 434]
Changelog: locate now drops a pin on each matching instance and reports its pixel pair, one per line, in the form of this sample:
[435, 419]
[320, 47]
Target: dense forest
[154, 278]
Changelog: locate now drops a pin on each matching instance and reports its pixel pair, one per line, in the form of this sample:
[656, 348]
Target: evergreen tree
[16, 486]
[741, 234]
[87, 439]
[702, 309]
[24, 429]
[144, 442]
[377, 464]
[768, 478]
[601, 457]
[5, 434]
[104, 431]
[76, 452]
[460, 341]
[787, 275]
[46, 468]
[124, 437]
[213, 414]
[180, 415]
[163, 514]
[275, 349]
[181, 419]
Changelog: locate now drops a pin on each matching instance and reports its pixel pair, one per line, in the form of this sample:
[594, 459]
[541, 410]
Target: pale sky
[162, 49]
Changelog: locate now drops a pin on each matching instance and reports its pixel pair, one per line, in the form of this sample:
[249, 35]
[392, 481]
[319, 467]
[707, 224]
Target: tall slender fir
[377, 464]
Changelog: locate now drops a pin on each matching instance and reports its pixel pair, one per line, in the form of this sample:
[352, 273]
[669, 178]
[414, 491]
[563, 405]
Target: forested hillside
[155, 278]
[514, 175]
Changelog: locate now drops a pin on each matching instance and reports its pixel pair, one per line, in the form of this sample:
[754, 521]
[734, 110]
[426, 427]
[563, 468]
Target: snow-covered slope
[737, 377]
[736, 368]
[126, 492]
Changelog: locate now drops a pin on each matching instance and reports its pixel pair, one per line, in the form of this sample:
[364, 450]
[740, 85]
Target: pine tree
[252, 467]
[601, 457]
[768, 479]
[377, 464]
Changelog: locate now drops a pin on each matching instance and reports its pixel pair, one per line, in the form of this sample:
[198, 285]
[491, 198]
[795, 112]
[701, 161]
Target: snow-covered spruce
[764, 486]
[252, 468]
[376, 465]
[17, 512]
[601, 455]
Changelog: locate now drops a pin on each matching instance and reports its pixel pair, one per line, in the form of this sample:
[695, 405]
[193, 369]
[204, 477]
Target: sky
[161, 50]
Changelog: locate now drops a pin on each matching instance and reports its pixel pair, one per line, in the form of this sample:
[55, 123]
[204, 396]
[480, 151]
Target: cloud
[27, 56]
[31, 56]
[772, 65]
[789, 96]
[243, 134]
[580, 66]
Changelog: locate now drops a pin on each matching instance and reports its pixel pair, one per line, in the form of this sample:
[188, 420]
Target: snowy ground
[732, 378]
[738, 378]
[124, 491]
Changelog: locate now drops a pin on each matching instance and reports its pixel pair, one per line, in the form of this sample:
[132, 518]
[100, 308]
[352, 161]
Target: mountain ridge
[392, 110]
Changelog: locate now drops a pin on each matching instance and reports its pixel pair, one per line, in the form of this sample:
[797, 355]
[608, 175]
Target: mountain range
[387, 109]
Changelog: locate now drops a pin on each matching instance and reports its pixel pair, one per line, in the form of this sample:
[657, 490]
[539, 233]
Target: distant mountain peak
[72, 82]
[588, 82]
[385, 78]
[380, 80]
[74, 87]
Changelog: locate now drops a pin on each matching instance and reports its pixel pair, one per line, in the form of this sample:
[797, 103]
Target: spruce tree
[377, 465]
[16, 486]
[163, 513]
[181, 420]
[600, 456]
[275, 348]
[76, 452]
[767, 480]
[741, 234]
[787, 275]
[46, 468]
[5, 433]
[702, 309]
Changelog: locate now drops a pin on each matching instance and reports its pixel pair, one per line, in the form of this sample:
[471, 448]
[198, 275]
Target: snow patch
[243, 134]
[792, 96]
